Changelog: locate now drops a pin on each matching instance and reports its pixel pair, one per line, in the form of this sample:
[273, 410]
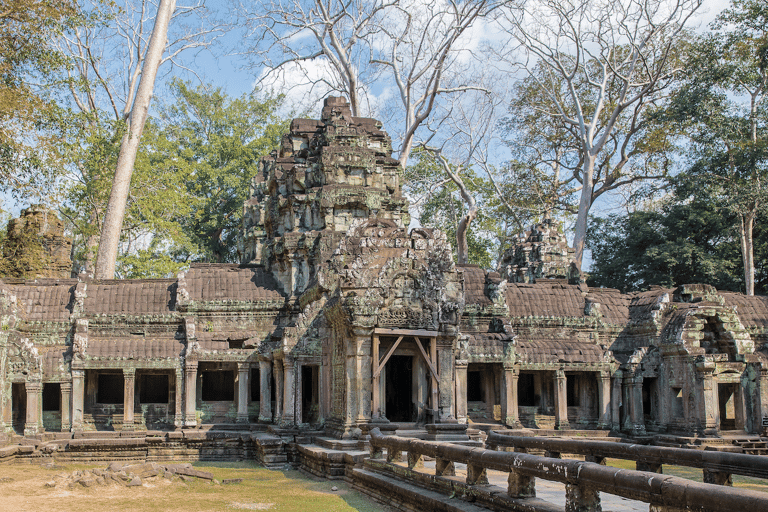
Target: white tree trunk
[585, 203]
[746, 226]
[129, 146]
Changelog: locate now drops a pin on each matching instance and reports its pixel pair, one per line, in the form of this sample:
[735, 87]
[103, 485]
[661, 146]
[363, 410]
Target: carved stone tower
[541, 252]
[327, 176]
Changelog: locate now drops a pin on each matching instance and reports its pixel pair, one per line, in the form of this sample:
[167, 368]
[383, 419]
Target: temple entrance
[728, 394]
[399, 390]
[310, 411]
[18, 407]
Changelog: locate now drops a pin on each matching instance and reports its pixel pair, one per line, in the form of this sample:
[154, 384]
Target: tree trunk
[746, 225]
[585, 203]
[129, 146]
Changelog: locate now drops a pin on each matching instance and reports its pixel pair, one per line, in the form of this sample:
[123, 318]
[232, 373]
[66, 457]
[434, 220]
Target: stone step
[330, 443]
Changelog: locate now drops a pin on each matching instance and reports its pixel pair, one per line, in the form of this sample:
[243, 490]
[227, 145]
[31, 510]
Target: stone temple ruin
[340, 319]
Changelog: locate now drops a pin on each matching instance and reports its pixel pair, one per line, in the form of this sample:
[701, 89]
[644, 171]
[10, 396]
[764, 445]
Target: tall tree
[129, 146]
[601, 66]
[722, 104]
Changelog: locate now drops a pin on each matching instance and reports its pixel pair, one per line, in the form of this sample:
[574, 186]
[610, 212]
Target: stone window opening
[218, 386]
[154, 389]
[110, 388]
[255, 385]
[51, 396]
[526, 392]
[573, 390]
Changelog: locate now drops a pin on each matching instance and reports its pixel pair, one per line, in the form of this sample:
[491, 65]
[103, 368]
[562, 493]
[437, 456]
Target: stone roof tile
[44, 300]
[131, 297]
[216, 282]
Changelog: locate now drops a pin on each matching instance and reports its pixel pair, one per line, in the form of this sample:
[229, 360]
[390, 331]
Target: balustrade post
[579, 498]
[415, 460]
[394, 455]
[444, 467]
[717, 478]
[476, 475]
[521, 485]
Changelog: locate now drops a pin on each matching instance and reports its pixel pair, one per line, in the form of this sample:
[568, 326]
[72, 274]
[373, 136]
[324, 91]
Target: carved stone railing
[717, 466]
[583, 480]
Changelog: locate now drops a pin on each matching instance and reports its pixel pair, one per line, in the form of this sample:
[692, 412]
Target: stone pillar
[178, 417]
[243, 378]
[511, 376]
[129, 392]
[375, 381]
[604, 399]
[445, 385]
[34, 402]
[363, 365]
[461, 391]
[709, 403]
[78, 399]
[616, 400]
[561, 401]
[638, 421]
[279, 391]
[288, 418]
[265, 400]
[66, 406]
[763, 399]
[520, 485]
[190, 394]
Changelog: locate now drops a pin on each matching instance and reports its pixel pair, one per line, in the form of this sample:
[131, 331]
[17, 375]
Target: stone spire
[540, 252]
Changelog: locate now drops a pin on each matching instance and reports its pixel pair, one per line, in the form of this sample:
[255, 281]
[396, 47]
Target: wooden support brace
[380, 367]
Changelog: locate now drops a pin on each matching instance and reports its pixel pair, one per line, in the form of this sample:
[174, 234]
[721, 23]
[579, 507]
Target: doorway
[727, 393]
[18, 407]
[399, 390]
[310, 412]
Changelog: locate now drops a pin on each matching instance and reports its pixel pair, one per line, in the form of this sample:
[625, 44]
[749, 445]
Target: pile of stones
[133, 475]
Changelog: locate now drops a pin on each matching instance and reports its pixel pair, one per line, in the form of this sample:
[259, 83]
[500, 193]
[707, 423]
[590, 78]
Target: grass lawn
[22, 487]
[695, 474]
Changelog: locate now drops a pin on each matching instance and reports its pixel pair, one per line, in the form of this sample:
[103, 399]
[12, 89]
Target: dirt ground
[23, 488]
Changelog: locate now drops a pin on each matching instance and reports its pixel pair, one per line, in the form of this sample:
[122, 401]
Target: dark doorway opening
[399, 388]
[255, 385]
[727, 395]
[154, 389]
[218, 386]
[650, 400]
[526, 394]
[475, 386]
[18, 406]
[573, 390]
[51, 396]
[309, 394]
[110, 390]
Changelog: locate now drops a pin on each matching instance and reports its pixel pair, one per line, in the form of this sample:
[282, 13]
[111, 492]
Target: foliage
[29, 61]
[689, 237]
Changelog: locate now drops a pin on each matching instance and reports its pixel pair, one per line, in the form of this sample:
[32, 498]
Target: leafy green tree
[216, 142]
[29, 62]
[686, 238]
[723, 107]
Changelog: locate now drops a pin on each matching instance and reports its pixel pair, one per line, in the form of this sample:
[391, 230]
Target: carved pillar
[638, 421]
[363, 366]
[444, 363]
[66, 406]
[709, 403]
[190, 394]
[511, 376]
[178, 417]
[616, 400]
[279, 391]
[243, 378]
[288, 418]
[561, 401]
[78, 399]
[375, 381]
[461, 391]
[763, 398]
[129, 389]
[265, 400]
[33, 424]
[604, 399]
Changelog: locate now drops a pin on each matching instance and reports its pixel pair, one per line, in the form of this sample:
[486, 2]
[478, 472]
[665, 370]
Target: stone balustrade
[584, 481]
[717, 466]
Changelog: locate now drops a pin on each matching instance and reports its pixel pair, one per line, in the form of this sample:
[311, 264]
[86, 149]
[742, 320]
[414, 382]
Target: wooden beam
[386, 358]
[426, 358]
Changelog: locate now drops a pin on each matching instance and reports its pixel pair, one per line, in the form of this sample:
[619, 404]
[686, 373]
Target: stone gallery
[341, 318]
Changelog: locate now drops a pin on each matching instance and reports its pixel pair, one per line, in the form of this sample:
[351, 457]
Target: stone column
[763, 399]
[190, 394]
[129, 391]
[444, 363]
[638, 421]
[511, 376]
[78, 399]
[461, 391]
[709, 402]
[288, 419]
[363, 364]
[34, 391]
[243, 378]
[178, 418]
[616, 397]
[66, 406]
[279, 391]
[561, 401]
[265, 400]
[604, 399]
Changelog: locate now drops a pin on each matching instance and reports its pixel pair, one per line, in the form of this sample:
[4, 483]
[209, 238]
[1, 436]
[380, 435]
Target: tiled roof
[45, 300]
[548, 351]
[53, 361]
[544, 299]
[134, 348]
[230, 282]
[131, 297]
[614, 304]
[752, 310]
[474, 285]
